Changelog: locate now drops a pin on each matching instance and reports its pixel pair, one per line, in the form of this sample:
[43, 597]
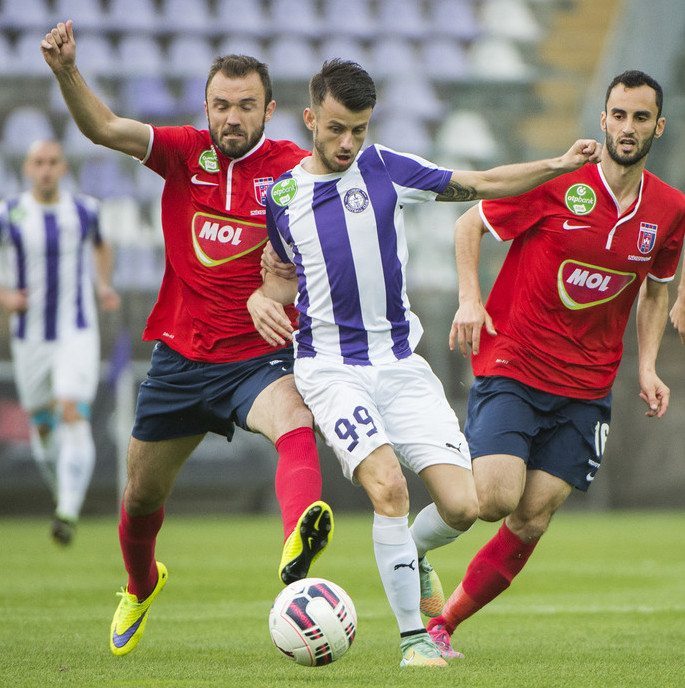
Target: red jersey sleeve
[506, 218]
[168, 147]
[665, 264]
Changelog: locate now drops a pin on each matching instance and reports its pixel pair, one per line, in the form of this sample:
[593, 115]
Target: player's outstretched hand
[269, 319]
[654, 393]
[677, 316]
[59, 46]
[272, 263]
[582, 151]
[467, 325]
[109, 299]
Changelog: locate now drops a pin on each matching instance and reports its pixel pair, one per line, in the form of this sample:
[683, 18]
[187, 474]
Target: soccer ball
[313, 622]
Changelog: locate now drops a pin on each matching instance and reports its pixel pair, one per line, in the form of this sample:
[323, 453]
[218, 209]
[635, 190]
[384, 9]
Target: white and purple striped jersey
[345, 234]
[50, 262]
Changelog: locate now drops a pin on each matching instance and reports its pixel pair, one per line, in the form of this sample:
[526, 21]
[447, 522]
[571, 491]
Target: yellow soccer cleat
[420, 651]
[304, 545]
[131, 616]
[432, 596]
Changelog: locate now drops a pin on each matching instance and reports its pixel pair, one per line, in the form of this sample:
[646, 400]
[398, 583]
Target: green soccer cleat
[131, 616]
[420, 651]
[432, 596]
[304, 545]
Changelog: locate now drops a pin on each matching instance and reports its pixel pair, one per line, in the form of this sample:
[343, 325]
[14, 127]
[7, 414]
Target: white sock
[75, 464]
[43, 458]
[430, 531]
[399, 568]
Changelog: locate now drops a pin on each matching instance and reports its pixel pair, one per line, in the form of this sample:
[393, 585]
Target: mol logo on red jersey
[217, 239]
[582, 285]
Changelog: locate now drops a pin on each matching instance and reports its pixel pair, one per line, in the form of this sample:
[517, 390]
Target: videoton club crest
[261, 187]
[647, 237]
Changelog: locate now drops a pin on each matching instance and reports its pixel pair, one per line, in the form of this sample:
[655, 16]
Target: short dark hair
[634, 78]
[347, 82]
[238, 66]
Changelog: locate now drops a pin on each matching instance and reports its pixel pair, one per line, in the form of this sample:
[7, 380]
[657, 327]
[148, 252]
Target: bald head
[44, 166]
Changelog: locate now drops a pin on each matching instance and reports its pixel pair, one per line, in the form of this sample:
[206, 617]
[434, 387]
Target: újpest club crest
[647, 237]
[261, 187]
[581, 285]
[217, 239]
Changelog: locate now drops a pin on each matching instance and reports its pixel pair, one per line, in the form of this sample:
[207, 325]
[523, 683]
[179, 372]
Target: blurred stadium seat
[189, 56]
[510, 19]
[180, 16]
[139, 16]
[97, 54]
[345, 47]
[465, 134]
[498, 59]
[295, 18]
[22, 126]
[453, 18]
[25, 15]
[234, 44]
[349, 18]
[288, 125]
[242, 18]
[140, 55]
[27, 60]
[292, 59]
[394, 55]
[444, 59]
[148, 97]
[400, 18]
[86, 13]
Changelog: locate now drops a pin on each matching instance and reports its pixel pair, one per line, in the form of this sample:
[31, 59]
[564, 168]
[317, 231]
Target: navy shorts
[181, 397]
[559, 435]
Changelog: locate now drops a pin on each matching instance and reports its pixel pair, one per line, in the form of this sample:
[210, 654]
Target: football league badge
[647, 237]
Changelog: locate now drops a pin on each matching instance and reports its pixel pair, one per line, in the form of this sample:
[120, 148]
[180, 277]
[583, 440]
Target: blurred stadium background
[466, 83]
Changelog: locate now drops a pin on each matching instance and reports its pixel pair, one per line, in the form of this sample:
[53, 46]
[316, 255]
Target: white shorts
[402, 403]
[67, 368]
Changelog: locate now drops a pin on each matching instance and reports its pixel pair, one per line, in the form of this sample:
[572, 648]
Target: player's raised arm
[93, 117]
[512, 180]
[471, 315]
[652, 313]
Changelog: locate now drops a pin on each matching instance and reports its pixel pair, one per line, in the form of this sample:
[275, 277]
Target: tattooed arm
[512, 180]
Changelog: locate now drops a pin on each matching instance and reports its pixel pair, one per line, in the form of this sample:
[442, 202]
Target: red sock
[137, 536]
[489, 574]
[298, 475]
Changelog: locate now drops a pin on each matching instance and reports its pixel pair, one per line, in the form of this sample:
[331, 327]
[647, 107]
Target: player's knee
[142, 502]
[73, 411]
[389, 494]
[529, 527]
[493, 510]
[462, 515]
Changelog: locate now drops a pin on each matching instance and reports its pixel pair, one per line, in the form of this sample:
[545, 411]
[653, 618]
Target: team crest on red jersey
[261, 186]
[647, 237]
[217, 239]
[582, 285]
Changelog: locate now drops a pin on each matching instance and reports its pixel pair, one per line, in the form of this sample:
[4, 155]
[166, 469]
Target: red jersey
[563, 297]
[214, 224]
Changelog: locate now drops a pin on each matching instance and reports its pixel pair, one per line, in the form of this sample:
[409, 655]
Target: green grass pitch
[601, 603]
